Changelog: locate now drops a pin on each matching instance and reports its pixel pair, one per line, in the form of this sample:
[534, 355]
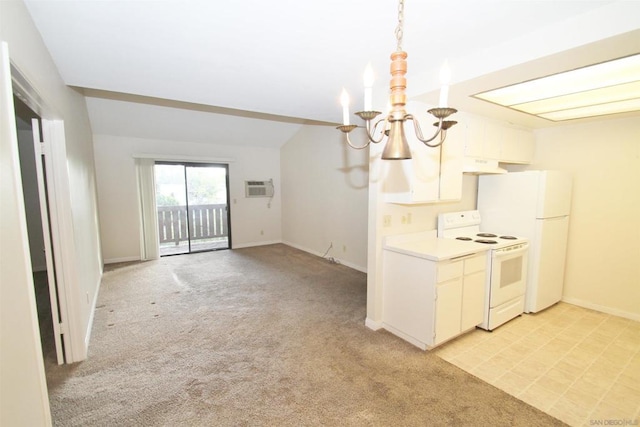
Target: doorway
[35, 228]
[192, 202]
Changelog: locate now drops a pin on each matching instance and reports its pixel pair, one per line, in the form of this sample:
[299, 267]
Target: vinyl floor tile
[578, 365]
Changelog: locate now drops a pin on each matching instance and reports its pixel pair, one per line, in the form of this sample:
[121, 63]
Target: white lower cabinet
[429, 302]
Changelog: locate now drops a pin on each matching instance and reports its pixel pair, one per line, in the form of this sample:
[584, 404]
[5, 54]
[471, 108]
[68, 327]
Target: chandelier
[397, 147]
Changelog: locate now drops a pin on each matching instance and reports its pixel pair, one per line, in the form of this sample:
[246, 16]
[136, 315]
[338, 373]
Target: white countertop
[432, 248]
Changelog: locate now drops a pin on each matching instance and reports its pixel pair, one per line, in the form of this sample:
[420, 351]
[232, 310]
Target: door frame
[203, 163]
[61, 219]
[20, 344]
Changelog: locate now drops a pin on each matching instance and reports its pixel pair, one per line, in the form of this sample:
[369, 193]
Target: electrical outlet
[262, 232]
[344, 248]
[404, 219]
[386, 221]
[409, 218]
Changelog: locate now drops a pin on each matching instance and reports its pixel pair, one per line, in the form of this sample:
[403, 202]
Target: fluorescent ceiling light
[606, 88]
[594, 110]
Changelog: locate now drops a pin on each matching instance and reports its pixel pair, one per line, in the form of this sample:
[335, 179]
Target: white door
[45, 192]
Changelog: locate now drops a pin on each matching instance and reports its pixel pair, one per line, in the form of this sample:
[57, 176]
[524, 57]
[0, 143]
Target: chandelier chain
[399, 28]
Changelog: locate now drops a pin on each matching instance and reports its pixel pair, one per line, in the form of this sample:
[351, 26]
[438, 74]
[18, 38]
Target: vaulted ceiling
[208, 70]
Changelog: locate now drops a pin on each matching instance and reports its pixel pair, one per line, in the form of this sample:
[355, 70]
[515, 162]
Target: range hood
[479, 166]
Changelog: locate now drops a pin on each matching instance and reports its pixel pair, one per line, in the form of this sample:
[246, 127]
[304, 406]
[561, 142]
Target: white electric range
[506, 266]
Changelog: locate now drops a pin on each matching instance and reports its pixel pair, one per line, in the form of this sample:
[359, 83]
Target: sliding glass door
[193, 209]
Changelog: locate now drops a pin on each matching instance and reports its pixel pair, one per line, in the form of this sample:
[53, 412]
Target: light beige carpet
[266, 336]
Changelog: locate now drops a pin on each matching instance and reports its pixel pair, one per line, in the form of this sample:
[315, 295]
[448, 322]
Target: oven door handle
[499, 253]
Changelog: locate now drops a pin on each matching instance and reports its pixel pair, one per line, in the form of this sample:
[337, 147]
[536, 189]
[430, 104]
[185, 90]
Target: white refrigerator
[535, 205]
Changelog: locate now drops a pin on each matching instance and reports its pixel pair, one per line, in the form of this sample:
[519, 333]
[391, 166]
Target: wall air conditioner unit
[258, 188]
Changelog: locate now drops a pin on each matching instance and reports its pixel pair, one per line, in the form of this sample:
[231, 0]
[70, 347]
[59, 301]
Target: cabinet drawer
[477, 263]
[449, 270]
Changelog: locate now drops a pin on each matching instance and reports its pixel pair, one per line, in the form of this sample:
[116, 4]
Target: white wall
[253, 221]
[29, 54]
[603, 254]
[324, 196]
[22, 402]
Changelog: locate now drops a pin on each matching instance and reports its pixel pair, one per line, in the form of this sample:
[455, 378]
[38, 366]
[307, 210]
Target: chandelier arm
[372, 131]
[356, 147]
[418, 131]
[443, 135]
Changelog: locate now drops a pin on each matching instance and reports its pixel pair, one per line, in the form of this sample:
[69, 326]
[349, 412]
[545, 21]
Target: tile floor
[578, 365]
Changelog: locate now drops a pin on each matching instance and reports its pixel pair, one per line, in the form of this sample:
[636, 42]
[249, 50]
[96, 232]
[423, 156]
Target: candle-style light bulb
[344, 100]
[445, 79]
[368, 87]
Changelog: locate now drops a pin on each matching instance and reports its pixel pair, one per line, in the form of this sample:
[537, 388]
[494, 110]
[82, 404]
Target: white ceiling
[196, 69]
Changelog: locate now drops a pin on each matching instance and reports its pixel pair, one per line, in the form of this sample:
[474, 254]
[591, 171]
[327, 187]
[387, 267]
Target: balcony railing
[205, 222]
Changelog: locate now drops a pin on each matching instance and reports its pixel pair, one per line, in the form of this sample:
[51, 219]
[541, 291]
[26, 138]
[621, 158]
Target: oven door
[508, 273]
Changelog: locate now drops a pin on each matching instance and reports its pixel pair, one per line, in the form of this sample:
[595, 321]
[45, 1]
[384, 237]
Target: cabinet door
[493, 136]
[473, 294]
[448, 309]
[473, 136]
[517, 146]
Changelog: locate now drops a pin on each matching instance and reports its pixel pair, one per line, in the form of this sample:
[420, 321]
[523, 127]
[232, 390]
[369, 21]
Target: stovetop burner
[486, 235]
[487, 241]
[466, 227]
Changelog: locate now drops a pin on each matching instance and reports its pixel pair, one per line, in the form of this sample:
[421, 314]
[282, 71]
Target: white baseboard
[92, 311]
[340, 261]
[252, 244]
[354, 266]
[372, 324]
[602, 308]
[124, 259]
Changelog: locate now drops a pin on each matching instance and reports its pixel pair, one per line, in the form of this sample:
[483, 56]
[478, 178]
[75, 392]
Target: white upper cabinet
[432, 175]
[517, 146]
[492, 140]
[435, 174]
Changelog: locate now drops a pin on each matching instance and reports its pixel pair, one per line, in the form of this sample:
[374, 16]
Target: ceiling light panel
[582, 99]
[594, 110]
[609, 86]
